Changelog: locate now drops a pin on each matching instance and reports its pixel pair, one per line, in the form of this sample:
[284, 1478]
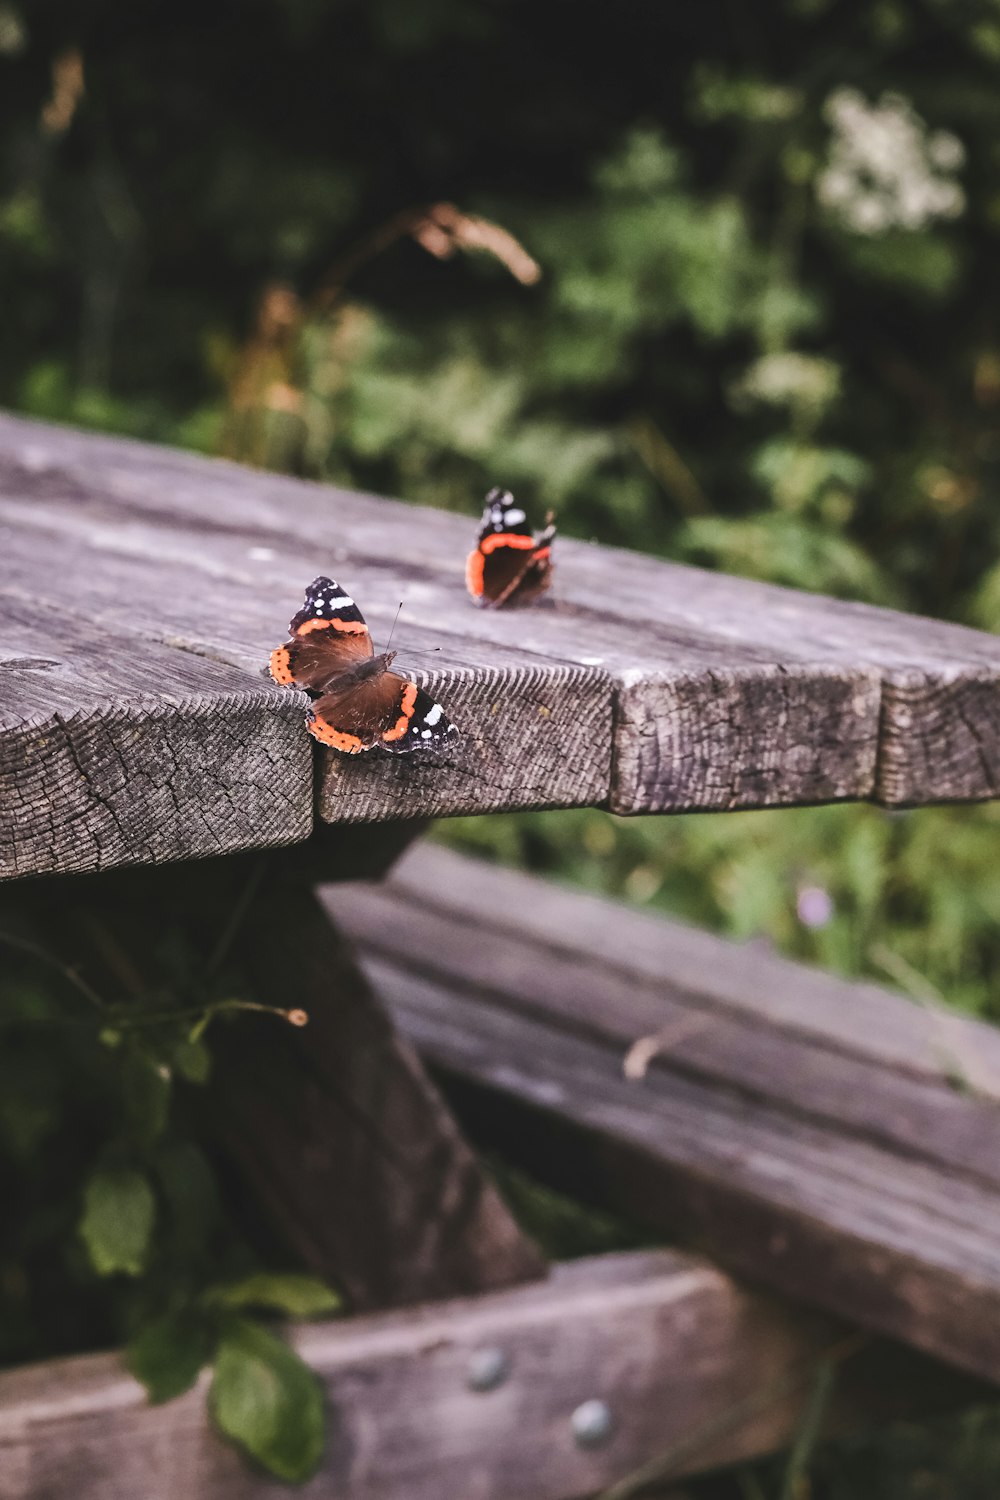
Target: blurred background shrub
[715, 281]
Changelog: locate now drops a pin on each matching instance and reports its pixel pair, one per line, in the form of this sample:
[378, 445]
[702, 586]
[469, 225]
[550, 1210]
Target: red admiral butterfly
[361, 705]
[509, 566]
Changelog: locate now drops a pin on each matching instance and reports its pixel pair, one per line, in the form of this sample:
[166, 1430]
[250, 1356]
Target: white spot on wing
[515, 517]
[433, 714]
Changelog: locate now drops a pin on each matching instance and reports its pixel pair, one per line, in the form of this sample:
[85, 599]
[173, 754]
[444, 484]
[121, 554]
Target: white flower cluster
[788, 378]
[886, 170]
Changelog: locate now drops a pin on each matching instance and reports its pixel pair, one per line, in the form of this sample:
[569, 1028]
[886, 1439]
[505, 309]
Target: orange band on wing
[349, 627]
[350, 744]
[505, 539]
[474, 573]
[280, 667]
[402, 724]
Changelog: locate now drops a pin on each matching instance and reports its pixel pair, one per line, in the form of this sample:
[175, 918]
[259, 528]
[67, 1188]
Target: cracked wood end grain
[110, 757]
[531, 736]
[694, 741]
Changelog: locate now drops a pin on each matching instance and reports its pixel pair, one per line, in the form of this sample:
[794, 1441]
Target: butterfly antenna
[394, 619]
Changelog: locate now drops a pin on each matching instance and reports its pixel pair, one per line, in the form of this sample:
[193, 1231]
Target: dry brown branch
[68, 89]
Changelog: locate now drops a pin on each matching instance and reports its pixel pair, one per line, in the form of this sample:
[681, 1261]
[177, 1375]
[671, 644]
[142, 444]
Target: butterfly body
[360, 703]
[509, 564]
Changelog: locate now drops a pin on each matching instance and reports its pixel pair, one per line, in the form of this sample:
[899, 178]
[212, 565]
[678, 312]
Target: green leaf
[298, 1296]
[193, 1061]
[118, 1214]
[167, 1354]
[266, 1399]
[146, 1084]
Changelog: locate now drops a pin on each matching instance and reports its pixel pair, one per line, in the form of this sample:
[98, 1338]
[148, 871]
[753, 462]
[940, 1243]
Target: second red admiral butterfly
[509, 565]
[360, 704]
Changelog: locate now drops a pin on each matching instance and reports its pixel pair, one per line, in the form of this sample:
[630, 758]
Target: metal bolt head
[592, 1424]
[488, 1368]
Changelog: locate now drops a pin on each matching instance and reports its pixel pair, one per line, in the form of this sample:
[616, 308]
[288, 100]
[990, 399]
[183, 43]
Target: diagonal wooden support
[341, 1144]
[341, 1136]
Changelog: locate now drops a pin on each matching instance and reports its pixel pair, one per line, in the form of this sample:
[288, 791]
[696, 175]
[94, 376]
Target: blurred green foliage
[116, 1225]
[765, 337]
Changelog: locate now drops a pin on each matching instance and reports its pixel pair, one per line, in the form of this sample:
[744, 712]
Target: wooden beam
[808, 1135]
[669, 1343]
[111, 756]
[342, 1140]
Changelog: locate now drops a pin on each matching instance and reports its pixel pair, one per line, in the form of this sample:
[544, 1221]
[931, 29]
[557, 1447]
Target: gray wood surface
[806, 1131]
[668, 1342]
[110, 756]
[643, 685]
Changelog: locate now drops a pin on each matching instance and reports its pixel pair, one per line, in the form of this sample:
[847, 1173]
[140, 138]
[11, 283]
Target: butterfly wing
[508, 564]
[329, 635]
[502, 516]
[537, 574]
[387, 711]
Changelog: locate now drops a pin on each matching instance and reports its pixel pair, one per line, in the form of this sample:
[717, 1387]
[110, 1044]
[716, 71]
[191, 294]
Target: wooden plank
[727, 693]
[841, 1168]
[939, 711]
[668, 1342]
[689, 1031]
[534, 735]
[681, 965]
[740, 736]
[718, 758]
[110, 758]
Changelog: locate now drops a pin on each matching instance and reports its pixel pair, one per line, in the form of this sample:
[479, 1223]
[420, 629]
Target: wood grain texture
[833, 1162]
[694, 741]
[720, 692]
[669, 1342]
[534, 735]
[108, 758]
[746, 982]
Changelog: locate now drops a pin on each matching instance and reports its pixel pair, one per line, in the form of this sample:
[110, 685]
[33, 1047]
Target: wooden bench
[832, 1140]
[140, 593]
